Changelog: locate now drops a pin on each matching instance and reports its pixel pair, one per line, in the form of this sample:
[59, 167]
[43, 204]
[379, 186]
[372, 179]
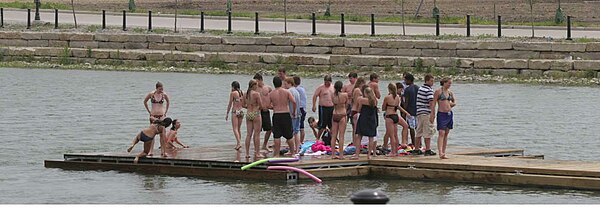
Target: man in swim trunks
[324, 93]
[352, 77]
[424, 104]
[282, 119]
[289, 85]
[265, 115]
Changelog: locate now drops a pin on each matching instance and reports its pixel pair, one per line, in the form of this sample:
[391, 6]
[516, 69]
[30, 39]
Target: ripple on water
[53, 112]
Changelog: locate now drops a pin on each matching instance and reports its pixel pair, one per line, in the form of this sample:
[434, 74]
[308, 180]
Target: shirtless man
[265, 115]
[348, 89]
[324, 93]
[374, 84]
[282, 119]
[281, 74]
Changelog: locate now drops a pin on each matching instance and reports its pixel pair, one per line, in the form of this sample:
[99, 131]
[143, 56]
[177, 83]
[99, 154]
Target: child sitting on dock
[325, 136]
[148, 134]
[172, 136]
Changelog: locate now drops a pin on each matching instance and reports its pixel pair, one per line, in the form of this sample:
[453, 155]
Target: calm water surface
[46, 113]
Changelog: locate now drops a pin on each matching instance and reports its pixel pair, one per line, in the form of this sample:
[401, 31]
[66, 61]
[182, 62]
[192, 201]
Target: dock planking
[474, 165]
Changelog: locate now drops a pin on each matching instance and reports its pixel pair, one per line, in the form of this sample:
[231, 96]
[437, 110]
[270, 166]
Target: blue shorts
[445, 120]
[302, 117]
[296, 125]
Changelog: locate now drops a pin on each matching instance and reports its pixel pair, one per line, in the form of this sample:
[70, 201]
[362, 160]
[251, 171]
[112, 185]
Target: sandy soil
[582, 11]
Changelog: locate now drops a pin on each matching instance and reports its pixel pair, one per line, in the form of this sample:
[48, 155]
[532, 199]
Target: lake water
[46, 113]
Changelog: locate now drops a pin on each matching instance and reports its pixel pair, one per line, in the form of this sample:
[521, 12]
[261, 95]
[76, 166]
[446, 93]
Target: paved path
[300, 27]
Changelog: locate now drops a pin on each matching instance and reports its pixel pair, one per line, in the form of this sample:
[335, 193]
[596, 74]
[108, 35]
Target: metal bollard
[569, 28]
[256, 32]
[437, 25]
[372, 24]
[229, 22]
[2, 17]
[103, 19]
[468, 25]
[28, 19]
[369, 197]
[201, 22]
[343, 32]
[149, 21]
[37, 9]
[314, 24]
[499, 26]
[55, 18]
[124, 20]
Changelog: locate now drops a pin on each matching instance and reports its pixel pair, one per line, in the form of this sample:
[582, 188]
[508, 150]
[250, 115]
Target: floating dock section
[472, 165]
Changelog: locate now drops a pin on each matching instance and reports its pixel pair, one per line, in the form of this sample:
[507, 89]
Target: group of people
[159, 123]
[355, 102]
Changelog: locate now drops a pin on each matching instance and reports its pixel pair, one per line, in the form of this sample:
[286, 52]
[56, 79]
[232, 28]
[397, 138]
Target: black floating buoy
[369, 197]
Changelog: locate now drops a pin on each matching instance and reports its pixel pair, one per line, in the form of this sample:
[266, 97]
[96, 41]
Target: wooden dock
[473, 165]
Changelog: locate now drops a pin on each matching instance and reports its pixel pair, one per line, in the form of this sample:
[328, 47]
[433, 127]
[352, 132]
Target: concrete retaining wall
[281, 44]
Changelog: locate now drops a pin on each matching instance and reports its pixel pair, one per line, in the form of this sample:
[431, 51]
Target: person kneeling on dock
[172, 138]
[147, 136]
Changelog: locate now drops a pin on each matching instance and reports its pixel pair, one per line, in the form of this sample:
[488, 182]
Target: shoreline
[384, 74]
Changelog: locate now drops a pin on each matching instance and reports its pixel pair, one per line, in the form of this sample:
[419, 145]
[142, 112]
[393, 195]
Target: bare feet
[135, 161]
[237, 147]
[443, 157]
[164, 155]
[130, 148]
[266, 149]
[354, 157]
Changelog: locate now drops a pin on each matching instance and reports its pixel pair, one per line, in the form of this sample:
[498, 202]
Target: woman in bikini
[339, 120]
[172, 136]
[356, 94]
[147, 136]
[391, 104]
[252, 102]
[235, 103]
[445, 99]
[158, 111]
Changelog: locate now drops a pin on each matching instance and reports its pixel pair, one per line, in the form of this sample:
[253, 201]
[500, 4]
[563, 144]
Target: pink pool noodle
[280, 160]
[297, 170]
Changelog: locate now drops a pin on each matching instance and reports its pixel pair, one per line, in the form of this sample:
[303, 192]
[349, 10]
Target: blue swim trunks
[445, 120]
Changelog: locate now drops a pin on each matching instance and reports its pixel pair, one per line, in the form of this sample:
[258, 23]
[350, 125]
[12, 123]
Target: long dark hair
[236, 86]
[173, 123]
[338, 87]
[393, 90]
[251, 84]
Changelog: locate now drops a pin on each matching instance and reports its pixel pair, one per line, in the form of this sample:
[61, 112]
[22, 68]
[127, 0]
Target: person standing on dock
[339, 120]
[391, 104]
[265, 115]
[410, 104]
[147, 136]
[445, 118]
[302, 104]
[352, 77]
[281, 74]
[282, 119]
[324, 92]
[290, 86]
[367, 121]
[158, 111]
[253, 103]
[425, 128]
[237, 115]
[356, 94]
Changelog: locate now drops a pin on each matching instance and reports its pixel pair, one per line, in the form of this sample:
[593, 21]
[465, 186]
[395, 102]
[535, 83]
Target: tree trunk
[74, 17]
[418, 9]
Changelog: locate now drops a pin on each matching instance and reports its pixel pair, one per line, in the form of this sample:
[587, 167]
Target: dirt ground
[511, 10]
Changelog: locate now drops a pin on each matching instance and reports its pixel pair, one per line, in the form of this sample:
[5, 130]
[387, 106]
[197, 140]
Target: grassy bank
[385, 74]
[409, 19]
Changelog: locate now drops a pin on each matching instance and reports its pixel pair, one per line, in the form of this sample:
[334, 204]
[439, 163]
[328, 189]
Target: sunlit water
[46, 113]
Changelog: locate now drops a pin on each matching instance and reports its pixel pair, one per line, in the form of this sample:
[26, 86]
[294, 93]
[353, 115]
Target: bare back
[348, 90]
[375, 87]
[280, 99]
[391, 104]
[339, 102]
[356, 94]
[254, 103]
[264, 97]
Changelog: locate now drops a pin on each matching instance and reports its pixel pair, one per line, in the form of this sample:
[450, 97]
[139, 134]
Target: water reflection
[153, 183]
